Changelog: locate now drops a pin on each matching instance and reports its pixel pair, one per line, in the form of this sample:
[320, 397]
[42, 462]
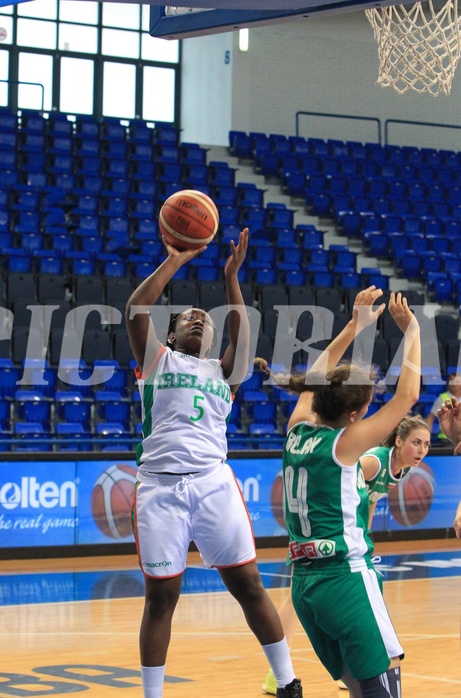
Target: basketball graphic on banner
[410, 500]
[112, 499]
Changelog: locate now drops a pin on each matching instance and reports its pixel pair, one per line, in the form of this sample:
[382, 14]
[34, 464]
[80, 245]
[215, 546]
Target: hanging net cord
[418, 48]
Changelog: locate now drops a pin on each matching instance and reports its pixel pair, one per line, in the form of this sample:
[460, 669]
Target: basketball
[278, 500]
[410, 500]
[112, 499]
[188, 219]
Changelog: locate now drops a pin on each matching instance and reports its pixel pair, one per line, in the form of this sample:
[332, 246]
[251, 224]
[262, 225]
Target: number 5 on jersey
[198, 407]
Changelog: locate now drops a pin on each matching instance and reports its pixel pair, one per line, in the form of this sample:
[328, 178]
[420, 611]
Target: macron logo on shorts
[165, 563]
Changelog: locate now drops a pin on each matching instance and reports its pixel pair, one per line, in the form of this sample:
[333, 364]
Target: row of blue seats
[157, 169]
[119, 220]
[19, 198]
[307, 186]
[115, 436]
[34, 122]
[245, 145]
[69, 406]
[370, 169]
[101, 306]
[354, 224]
[332, 176]
[111, 437]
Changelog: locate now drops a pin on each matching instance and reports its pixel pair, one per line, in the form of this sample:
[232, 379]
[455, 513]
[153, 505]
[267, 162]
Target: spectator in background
[449, 416]
[453, 390]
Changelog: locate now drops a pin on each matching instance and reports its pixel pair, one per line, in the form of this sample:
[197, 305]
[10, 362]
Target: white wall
[327, 64]
[206, 89]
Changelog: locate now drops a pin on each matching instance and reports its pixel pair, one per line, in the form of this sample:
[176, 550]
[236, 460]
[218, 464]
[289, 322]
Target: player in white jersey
[186, 491]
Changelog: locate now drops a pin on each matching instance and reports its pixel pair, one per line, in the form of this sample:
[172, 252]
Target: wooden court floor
[91, 646]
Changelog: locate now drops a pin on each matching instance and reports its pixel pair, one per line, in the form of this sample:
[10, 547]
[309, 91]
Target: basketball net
[418, 48]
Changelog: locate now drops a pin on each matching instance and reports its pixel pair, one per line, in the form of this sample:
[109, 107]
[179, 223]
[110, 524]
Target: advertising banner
[38, 503]
[88, 502]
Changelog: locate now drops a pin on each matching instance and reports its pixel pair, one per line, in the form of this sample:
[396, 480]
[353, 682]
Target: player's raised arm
[364, 434]
[363, 315]
[236, 355]
[139, 322]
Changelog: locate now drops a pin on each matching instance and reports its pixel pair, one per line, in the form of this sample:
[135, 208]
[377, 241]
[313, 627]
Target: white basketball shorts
[207, 508]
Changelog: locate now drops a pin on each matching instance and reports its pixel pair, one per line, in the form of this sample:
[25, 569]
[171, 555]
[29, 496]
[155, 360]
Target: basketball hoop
[418, 48]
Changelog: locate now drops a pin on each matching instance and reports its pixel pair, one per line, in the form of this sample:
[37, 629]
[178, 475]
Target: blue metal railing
[24, 82]
[414, 123]
[340, 116]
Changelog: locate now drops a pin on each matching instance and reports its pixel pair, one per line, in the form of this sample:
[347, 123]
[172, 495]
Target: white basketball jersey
[185, 404]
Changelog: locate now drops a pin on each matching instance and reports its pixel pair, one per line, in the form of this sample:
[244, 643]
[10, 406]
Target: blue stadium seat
[294, 183]
[262, 412]
[73, 437]
[248, 194]
[82, 267]
[110, 406]
[220, 173]
[17, 261]
[411, 265]
[271, 439]
[240, 144]
[119, 381]
[194, 175]
[350, 280]
[321, 278]
[114, 268]
[265, 276]
[207, 273]
[10, 375]
[5, 415]
[31, 406]
[8, 120]
[376, 244]
[293, 278]
[71, 407]
[114, 431]
[32, 434]
[50, 265]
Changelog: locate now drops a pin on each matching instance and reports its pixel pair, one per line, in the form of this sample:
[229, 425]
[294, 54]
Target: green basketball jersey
[384, 480]
[326, 502]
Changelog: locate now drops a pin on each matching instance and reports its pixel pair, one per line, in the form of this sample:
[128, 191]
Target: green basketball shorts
[341, 607]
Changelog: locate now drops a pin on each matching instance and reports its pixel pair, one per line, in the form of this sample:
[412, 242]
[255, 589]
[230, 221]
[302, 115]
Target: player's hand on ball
[182, 256]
